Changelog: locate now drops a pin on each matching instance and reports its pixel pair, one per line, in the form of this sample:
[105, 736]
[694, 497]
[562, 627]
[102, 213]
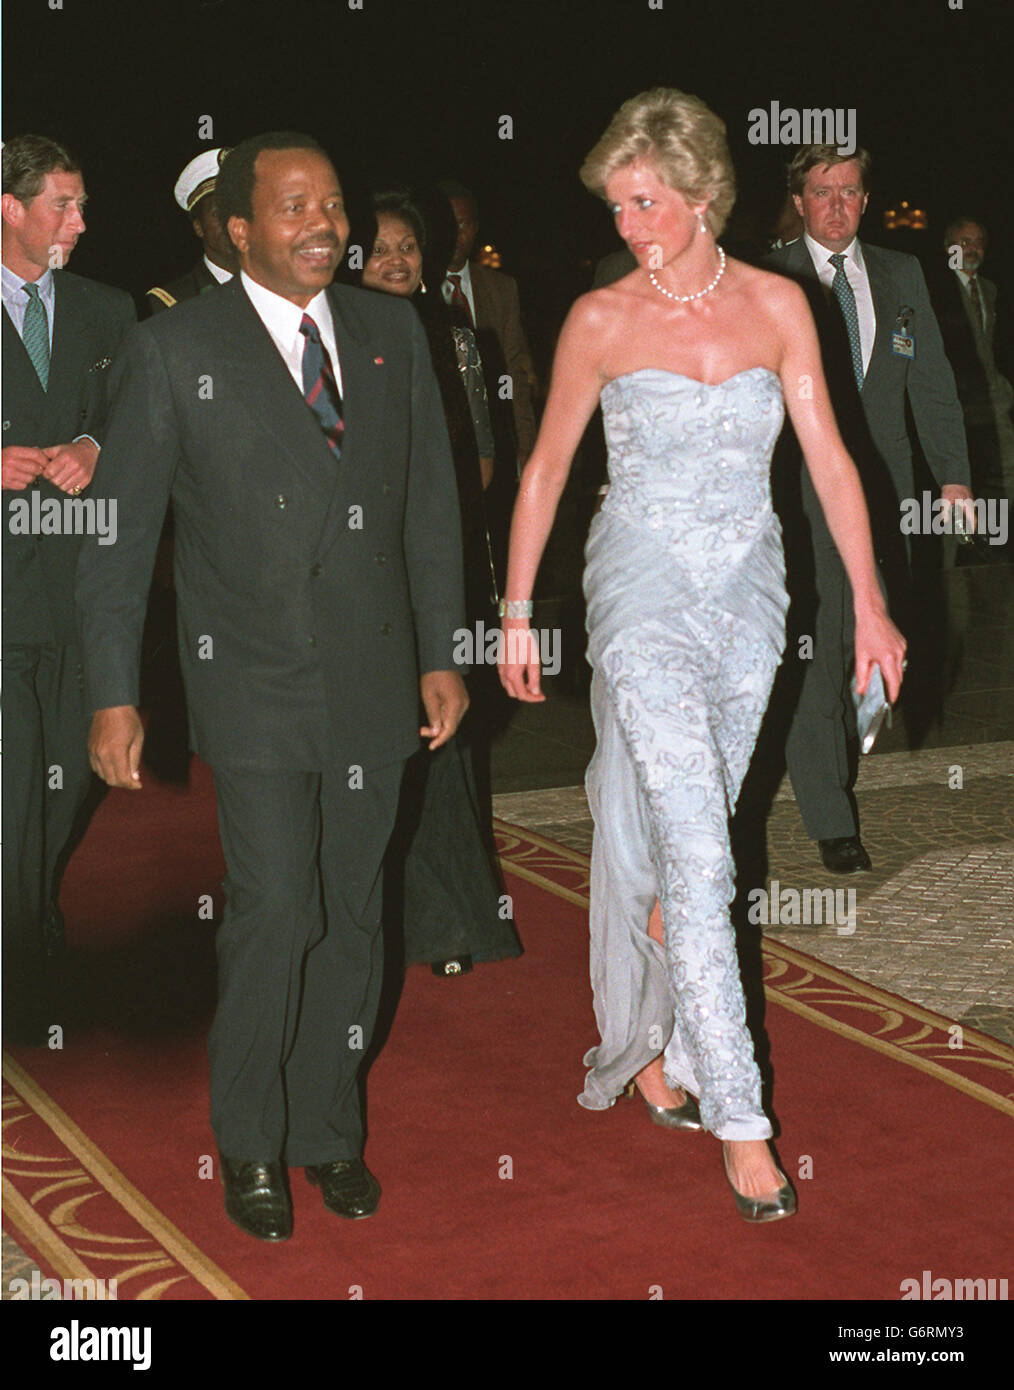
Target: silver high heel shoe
[771, 1207]
[685, 1116]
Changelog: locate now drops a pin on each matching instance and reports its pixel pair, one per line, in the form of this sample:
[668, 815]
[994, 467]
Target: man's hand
[956, 493]
[114, 746]
[445, 700]
[22, 465]
[70, 466]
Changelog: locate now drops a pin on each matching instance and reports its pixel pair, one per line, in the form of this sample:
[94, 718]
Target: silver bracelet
[515, 608]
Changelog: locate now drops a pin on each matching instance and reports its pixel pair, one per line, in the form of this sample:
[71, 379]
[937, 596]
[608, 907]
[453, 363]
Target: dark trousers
[820, 760]
[46, 777]
[300, 957]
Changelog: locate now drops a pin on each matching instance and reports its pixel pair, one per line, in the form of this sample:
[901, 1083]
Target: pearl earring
[701, 223]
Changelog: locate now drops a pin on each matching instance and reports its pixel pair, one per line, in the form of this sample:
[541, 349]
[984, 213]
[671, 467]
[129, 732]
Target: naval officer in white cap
[194, 192]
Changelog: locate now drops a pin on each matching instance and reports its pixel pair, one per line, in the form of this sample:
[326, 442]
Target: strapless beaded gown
[686, 602]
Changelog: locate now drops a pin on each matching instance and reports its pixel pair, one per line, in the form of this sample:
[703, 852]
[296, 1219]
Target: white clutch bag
[872, 709]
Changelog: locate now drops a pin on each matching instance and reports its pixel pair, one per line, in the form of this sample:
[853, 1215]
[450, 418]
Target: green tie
[35, 333]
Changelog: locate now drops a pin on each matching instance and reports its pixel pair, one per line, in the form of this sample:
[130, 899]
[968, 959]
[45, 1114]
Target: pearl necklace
[686, 298]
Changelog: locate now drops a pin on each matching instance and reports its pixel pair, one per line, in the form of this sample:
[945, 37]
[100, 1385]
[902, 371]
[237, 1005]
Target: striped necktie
[842, 291]
[35, 332]
[320, 388]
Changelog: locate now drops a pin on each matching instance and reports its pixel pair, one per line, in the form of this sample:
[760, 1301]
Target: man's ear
[239, 233]
[198, 229]
[13, 209]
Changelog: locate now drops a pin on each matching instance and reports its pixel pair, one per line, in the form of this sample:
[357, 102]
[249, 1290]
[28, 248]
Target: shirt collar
[216, 271]
[280, 314]
[465, 273]
[820, 255]
[13, 285]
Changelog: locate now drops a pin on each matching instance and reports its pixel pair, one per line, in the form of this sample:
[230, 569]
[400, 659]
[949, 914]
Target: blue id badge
[902, 339]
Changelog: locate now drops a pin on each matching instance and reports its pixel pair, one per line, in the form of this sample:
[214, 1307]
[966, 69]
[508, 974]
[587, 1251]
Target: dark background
[415, 89]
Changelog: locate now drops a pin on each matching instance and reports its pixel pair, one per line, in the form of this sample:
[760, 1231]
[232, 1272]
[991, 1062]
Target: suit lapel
[363, 398]
[485, 312]
[25, 383]
[274, 399]
[989, 296]
[72, 340]
[886, 303]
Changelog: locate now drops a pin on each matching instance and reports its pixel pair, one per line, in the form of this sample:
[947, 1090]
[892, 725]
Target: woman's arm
[574, 393]
[837, 485]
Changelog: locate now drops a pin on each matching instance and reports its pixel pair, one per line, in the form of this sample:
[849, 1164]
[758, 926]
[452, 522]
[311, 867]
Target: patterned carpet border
[972, 1062]
[80, 1216]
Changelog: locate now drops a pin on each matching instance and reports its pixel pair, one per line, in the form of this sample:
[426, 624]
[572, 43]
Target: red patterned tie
[459, 300]
[320, 389]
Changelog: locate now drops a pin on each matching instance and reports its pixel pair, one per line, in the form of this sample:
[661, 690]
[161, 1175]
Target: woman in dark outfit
[455, 910]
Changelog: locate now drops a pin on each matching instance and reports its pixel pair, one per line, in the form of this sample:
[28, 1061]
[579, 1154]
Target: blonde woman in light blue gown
[695, 359]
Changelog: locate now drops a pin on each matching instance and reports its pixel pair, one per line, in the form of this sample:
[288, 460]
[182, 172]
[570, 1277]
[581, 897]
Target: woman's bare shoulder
[769, 287]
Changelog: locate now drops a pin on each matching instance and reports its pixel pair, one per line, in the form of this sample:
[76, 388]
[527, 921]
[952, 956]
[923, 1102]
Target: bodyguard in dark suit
[60, 333]
[965, 303]
[488, 300]
[881, 347]
[299, 433]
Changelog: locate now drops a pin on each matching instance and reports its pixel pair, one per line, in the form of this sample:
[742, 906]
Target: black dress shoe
[844, 855]
[456, 965]
[348, 1187]
[257, 1198]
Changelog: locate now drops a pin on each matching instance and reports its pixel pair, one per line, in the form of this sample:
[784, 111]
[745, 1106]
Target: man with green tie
[60, 333]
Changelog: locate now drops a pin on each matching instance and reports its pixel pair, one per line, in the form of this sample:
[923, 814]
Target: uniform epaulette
[163, 295]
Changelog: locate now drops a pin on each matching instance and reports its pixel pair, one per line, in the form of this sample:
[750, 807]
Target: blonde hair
[684, 139]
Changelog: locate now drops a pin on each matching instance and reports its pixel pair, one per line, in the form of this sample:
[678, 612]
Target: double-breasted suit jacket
[311, 591]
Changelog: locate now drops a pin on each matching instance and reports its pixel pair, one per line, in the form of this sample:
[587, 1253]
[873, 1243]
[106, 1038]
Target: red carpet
[496, 1184]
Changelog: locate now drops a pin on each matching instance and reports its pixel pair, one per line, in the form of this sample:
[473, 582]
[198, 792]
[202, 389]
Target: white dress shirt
[447, 288]
[16, 300]
[858, 278]
[282, 319]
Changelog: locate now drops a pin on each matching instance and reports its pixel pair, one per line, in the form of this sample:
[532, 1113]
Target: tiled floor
[933, 921]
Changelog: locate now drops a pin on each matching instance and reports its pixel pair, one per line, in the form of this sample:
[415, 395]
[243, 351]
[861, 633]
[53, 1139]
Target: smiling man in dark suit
[881, 347]
[60, 332]
[299, 432]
